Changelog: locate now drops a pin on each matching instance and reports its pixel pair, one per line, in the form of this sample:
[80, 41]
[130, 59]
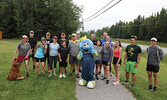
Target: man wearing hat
[155, 55]
[48, 41]
[74, 50]
[33, 43]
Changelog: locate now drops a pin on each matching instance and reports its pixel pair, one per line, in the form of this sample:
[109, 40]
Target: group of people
[63, 50]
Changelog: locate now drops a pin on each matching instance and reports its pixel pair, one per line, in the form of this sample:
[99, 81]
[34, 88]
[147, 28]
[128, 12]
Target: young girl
[24, 49]
[117, 60]
[107, 53]
[63, 57]
[98, 48]
[53, 52]
[39, 52]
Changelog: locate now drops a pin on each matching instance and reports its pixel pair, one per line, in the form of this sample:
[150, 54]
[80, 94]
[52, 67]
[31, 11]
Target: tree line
[18, 17]
[144, 28]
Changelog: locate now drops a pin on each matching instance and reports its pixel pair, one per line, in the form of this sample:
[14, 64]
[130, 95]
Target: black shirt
[48, 41]
[33, 42]
[60, 41]
[64, 51]
[94, 42]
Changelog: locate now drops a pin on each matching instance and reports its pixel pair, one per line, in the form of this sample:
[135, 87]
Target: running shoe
[50, 75]
[132, 86]
[55, 74]
[116, 83]
[154, 89]
[103, 78]
[64, 76]
[60, 76]
[125, 82]
[107, 81]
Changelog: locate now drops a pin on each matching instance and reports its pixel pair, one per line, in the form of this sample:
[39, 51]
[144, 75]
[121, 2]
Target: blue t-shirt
[103, 40]
[40, 51]
[104, 44]
[54, 49]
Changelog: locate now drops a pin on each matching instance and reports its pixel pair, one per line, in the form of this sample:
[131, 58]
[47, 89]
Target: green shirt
[132, 52]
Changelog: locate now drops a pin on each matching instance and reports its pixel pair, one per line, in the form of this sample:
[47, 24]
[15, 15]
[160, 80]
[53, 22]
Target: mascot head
[86, 45]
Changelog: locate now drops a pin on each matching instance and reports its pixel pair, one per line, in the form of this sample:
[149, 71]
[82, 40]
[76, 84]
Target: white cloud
[126, 10]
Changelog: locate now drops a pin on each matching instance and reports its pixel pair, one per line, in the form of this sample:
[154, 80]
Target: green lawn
[140, 91]
[32, 88]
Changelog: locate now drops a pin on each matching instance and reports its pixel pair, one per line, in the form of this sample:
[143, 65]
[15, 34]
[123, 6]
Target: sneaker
[107, 81]
[39, 75]
[34, 70]
[111, 75]
[43, 75]
[103, 78]
[55, 74]
[78, 76]
[80, 70]
[27, 75]
[125, 82]
[150, 87]
[132, 86]
[60, 76]
[64, 76]
[99, 72]
[70, 74]
[50, 75]
[96, 77]
[116, 83]
[154, 89]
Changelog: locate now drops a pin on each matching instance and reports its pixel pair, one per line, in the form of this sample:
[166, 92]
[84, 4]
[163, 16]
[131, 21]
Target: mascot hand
[94, 52]
[80, 55]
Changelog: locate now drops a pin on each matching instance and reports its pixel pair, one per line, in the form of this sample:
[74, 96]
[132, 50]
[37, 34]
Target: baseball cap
[63, 34]
[42, 38]
[47, 33]
[154, 39]
[24, 36]
[54, 37]
[73, 34]
[32, 32]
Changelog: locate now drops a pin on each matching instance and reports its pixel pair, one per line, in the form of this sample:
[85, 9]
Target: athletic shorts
[21, 57]
[97, 61]
[41, 59]
[152, 68]
[130, 67]
[73, 59]
[106, 63]
[115, 60]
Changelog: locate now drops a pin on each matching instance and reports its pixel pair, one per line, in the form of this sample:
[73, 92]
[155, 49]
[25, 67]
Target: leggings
[53, 58]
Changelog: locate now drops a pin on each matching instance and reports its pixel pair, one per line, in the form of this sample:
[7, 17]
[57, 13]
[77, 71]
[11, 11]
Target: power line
[104, 11]
[99, 10]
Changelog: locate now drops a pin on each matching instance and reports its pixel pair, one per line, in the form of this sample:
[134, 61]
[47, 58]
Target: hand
[66, 60]
[60, 60]
[30, 50]
[136, 65]
[26, 57]
[14, 58]
[124, 62]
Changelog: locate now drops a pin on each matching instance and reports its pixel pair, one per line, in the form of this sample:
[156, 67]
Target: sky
[126, 10]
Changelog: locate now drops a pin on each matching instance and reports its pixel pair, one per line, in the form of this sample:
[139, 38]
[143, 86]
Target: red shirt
[116, 52]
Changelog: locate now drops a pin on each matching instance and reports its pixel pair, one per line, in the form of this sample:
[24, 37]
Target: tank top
[116, 52]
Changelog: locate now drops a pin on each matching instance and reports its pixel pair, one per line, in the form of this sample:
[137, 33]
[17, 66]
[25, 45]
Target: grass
[32, 88]
[141, 84]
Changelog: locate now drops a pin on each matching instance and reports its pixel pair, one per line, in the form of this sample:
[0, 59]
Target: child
[39, 52]
[98, 48]
[63, 57]
[53, 52]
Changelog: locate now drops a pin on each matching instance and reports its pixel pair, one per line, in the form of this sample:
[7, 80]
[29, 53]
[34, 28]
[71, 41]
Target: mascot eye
[87, 43]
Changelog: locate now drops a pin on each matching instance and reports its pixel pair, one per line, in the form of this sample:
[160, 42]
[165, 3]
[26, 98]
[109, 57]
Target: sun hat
[154, 39]
[73, 34]
[24, 37]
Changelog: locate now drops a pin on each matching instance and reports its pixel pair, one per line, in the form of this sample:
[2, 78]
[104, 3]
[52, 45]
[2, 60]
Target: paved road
[144, 47]
[103, 91]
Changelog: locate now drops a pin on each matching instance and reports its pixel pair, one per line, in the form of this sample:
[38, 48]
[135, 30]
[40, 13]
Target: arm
[15, 53]
[36, 49]
[125, 57]
[111, 55]
[67, 57]
[161, 53]
[138, 59]
[46, 49]
[49, 50]
[59, 57]
[120, 55]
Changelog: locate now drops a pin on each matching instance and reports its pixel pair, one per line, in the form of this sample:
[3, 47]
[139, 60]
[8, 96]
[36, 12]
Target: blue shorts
[97, 61]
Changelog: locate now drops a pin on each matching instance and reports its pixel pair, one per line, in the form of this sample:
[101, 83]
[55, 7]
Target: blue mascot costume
[86, 54]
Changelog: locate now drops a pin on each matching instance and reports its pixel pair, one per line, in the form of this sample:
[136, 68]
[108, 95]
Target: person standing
[74, 50]
[93, 36]
[63, 57]
[39, 52]
[107, 54]
[33, 43]
[132, 54]
[117, 60]
[105, 34]
[155, 55]
[24, 49]
[107, 39]
[98, 48]
[48, 41]
[78, 35]
[53, 52]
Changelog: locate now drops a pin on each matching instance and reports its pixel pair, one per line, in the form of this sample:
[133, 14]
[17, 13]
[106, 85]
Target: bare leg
[108, 72]
[27, 65]
[127, 76]
[97, 66]
[63, 70]
[72, 67]
[43, 66]
[133, 78]
[54, 70]
[37, 63]
[156, 79]
[104, 67]
[149, 77]
[78, 69]
[60, 70]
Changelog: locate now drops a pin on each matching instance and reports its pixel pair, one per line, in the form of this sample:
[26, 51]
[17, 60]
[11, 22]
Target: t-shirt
[48, 41]
[40, 51]
[104, 44]
[107, 54]
[103, 40]
[54, 49]
[33, 42]
[152, 58]
[23, 49]
[98, 49]
[94, 42]
[64, 51]
[60, 41]
[132, 52]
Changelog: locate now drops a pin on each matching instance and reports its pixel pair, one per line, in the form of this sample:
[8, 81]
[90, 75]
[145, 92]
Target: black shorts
[41, 59]
[115, 60]
[74, 59]
[152, 68]
[63, 64]
[106, 63]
